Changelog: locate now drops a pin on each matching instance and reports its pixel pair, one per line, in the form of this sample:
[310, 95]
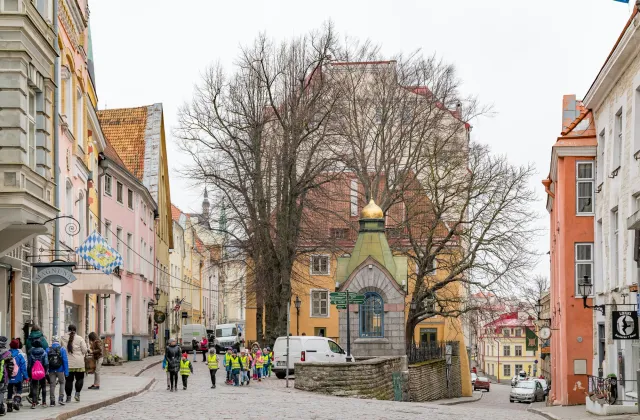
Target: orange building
[570, 190]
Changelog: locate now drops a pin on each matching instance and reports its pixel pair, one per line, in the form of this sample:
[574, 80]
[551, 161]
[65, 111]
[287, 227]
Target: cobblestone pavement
[271, 400]
[498, 397]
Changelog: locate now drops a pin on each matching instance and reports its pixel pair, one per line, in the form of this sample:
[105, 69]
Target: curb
[543, 414]
[463, 401]
[147, 368]
[101, 404]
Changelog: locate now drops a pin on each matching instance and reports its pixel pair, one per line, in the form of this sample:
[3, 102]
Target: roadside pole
[348, 329]
[288, 319]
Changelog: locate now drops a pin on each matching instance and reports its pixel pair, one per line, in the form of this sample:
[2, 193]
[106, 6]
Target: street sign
[341, 306]
[340, 298]
[624, 325]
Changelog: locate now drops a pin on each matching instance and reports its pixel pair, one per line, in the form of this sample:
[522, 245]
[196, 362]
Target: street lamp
[539, 311]
[297, 302]
[585, 288]
[157, 295]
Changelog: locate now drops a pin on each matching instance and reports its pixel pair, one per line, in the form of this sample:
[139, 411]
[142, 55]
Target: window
[518, 353]
[119, 188]
[372, 316]
[518, 369]
[518, 332]
[335, 348]
[432, 265]
[428, 337]
[507, 370]
[107, 232]
[320, 265]
[32, 130]
[339, 233]
[319, 303]
[80, 120]
[506, 350]
[107, 184]
[68, 98]
[129, 312]
[600, 168]
[615, 240]
[106, 316]
[584, 264]
[130, 198]
[82, 208]
[354, 197]
[585, 187]
[129, 259]
[617, 145]
[506, 332]
[119, 240]
[142, 252]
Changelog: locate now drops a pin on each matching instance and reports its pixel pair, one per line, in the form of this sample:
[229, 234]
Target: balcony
[93, 281]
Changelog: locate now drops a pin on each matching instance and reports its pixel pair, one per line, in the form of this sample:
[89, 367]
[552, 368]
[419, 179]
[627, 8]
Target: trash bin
[152, 348]
[133, 350]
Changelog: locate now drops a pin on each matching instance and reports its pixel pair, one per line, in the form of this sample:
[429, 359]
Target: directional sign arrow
[338, 294]
[341, 306]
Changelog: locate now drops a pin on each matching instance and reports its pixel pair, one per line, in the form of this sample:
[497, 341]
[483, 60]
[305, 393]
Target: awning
[15, 234]
[96, 282]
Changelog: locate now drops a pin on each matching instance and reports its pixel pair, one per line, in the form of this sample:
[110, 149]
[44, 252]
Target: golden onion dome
[372, 211]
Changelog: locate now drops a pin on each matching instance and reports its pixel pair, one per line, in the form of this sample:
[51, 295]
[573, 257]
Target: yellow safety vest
[235, 362]
[212, 361]
[227, 356]
[184, 368]
[265, 357]
[259, 362]
[245, 362]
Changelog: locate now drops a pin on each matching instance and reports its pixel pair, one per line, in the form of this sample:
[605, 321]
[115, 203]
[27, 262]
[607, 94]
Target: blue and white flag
[622, 1]
[97, 252]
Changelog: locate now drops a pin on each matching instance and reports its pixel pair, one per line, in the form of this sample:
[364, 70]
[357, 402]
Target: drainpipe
[56, 168]
[99, 301]
[11, 302]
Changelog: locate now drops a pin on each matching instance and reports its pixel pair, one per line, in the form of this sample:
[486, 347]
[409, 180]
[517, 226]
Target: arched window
[372, 316]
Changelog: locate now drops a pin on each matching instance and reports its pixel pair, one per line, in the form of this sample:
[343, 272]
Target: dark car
[482, 383]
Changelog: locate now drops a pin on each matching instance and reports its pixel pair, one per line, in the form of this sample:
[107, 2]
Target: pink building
[128, 214]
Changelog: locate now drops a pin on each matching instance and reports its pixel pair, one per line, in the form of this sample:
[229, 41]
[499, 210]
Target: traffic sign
[341, 306]
[338, 294]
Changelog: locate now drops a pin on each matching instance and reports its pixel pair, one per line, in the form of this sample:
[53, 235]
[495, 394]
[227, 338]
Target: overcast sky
[520, 56]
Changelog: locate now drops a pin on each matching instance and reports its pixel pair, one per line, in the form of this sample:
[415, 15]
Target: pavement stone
[575, 412]
[270, 399]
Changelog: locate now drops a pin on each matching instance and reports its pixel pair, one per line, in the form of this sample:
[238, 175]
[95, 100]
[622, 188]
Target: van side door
[337, 354]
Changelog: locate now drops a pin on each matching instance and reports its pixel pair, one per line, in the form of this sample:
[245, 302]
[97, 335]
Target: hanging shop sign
[55, 273]
[624, 325]
[159, 317]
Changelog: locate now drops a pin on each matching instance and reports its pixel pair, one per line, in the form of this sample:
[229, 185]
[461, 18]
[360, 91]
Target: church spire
[205, 205]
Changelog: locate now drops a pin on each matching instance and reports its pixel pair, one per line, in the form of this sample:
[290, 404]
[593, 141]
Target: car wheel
[510, 401]
[487, 389]
[281, 375]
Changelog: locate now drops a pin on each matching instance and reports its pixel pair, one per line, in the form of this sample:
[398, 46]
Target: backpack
[37, 371]
[16, 368]
[55, 358]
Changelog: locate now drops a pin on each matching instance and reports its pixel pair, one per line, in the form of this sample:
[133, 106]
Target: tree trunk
[410, 328]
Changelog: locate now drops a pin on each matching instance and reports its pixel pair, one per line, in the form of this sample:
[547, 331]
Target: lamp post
[539, 311]
[585, 287]
[157, 295]
[297, 303]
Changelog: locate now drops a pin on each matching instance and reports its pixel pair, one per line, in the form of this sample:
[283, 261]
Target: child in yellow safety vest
[235, 364]
[186, 369]
[267, 362]
[253, 357]
[246, 366]
[258, 363]
[212, 364]
[227, 366]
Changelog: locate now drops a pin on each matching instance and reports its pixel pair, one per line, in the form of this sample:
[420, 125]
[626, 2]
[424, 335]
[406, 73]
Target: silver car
[527, 391]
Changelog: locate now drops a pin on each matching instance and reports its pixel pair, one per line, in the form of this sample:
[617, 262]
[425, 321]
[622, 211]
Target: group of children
[240, 368]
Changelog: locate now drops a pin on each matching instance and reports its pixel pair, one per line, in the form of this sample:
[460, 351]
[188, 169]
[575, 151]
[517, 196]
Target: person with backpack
[96, 352]
[58, 370]
[36, 334]
[76, 352]
[37, 368]
[20, 374]
[6, 371]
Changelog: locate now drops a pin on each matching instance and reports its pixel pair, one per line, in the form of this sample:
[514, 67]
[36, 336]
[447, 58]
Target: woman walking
[172, 356]
[76, 352]
[95, 345]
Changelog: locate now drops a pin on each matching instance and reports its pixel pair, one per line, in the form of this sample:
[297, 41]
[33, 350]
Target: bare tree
[260, 137]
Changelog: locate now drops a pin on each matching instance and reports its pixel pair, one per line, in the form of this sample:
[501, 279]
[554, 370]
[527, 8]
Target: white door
[316, 350]
[337, 354]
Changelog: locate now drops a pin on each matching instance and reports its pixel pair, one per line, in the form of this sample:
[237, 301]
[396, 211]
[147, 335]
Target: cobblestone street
[271, 400]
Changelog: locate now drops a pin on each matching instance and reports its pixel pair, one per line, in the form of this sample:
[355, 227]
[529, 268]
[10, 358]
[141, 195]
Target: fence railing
[432, 351]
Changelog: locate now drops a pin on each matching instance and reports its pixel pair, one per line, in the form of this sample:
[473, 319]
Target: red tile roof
[175, 212]
[124, 128]
[111, 153]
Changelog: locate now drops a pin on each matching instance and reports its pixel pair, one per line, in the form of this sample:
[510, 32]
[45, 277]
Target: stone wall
[372, 378]
[428, 380]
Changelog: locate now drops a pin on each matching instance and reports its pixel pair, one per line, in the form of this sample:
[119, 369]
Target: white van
[229, 335]
[305, 349]
[189, 332]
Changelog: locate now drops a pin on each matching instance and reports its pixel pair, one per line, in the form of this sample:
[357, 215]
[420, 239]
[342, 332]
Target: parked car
[188, 333]
[473, 378]
[482, 383]
[545, 386]
[305, 349]
[527, 391]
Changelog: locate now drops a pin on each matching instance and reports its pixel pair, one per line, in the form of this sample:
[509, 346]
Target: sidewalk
[575, 412]
[113, 388]
[477, 395]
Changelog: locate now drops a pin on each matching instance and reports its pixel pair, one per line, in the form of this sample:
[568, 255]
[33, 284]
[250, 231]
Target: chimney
[569, 110]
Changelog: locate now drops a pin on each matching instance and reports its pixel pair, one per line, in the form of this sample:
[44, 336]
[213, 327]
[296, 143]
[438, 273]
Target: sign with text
[624, 325]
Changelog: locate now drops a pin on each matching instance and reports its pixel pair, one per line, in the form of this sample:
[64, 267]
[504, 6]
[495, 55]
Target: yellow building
[505, 347]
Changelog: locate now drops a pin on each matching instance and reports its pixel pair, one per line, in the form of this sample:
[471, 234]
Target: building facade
[570, 189]
[614, 100]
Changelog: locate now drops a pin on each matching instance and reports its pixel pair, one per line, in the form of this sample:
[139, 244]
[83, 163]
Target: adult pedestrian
[58, 370]
[76, 352]
[212, 364]
[204, 346]
[14, 395]
[194, 346]
[95, 346]
[36, 334]
[6, 369]
[172, 356]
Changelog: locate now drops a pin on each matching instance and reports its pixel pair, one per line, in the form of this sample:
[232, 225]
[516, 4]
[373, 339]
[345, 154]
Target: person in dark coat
[36, 334]
[6, 370]
[173, 355]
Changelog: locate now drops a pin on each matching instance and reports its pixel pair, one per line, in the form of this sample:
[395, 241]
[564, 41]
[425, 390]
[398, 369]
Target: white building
[614, 98]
